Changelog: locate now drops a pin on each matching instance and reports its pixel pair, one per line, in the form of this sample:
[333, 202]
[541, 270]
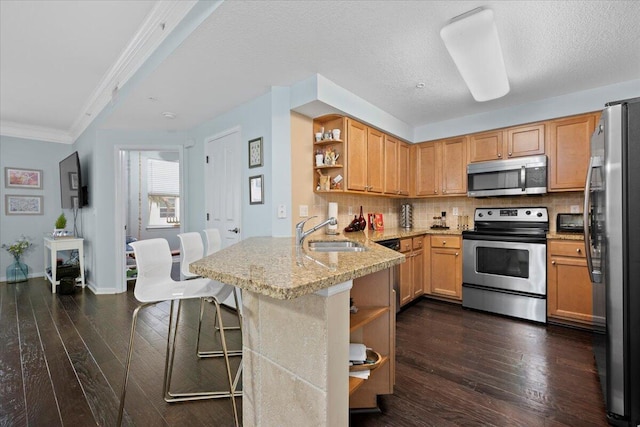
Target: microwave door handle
[585, 219]
[523, 178]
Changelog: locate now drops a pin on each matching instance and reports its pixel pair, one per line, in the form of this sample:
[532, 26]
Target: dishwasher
[395, 271]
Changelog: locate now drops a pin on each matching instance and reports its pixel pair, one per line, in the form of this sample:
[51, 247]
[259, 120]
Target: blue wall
[29, 154]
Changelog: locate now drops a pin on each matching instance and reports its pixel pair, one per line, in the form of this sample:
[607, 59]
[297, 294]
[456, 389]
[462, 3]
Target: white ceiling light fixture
[169, 115]
[473, 43]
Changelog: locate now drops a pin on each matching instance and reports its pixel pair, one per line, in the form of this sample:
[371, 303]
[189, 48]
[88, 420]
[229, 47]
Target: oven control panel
[512, 214]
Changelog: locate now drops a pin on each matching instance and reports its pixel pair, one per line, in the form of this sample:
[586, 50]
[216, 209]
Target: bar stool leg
[128, 362]
[226, 361]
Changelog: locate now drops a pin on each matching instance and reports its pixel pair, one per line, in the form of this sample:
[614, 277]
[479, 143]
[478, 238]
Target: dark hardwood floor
[61, 363]
[462, 367]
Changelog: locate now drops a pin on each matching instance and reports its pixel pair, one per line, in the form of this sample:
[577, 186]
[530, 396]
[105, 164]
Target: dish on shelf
[372, 361]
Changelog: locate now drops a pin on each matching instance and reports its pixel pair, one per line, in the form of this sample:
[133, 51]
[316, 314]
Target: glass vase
[17, 272]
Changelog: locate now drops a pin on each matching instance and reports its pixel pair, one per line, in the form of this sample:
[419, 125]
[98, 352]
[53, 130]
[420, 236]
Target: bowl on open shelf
[372, 362]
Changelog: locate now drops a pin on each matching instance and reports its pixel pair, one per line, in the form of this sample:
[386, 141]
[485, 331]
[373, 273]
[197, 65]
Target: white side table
[53, 246]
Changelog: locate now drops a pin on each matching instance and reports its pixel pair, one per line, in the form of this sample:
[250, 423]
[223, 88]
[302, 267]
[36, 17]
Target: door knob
[234, 230]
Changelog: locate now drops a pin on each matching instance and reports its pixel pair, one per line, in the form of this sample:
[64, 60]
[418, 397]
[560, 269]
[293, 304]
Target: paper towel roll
[333, 212]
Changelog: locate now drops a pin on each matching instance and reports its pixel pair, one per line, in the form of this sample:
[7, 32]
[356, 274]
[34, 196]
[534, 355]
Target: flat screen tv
[73, 192]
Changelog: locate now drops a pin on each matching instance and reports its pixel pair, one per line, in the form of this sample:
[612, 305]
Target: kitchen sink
[336, 246]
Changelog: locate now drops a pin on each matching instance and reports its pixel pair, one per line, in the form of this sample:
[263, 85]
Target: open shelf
[365, 315]
[327, 141]
[355, 383]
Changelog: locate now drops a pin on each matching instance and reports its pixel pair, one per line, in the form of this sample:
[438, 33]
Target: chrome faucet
[301, 234]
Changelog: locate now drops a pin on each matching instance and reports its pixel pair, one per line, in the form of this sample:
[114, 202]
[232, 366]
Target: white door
[223, 186]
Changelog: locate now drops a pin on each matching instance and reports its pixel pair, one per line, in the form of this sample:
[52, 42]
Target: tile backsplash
[425, 209]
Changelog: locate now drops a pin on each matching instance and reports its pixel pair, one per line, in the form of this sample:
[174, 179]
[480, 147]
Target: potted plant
[17, 271]
[60, 225]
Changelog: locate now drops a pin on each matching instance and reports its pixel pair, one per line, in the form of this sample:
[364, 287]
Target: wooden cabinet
[446, 266]
[365, 158]
[440, 167]
[403, 169]
[517, 141]
[569, 289]
[411, 271]
[396, 166]
[374, 326]
[569, 146]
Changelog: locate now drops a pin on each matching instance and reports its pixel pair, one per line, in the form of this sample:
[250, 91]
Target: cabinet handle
[553, 263]
[509, 154]
[444, 242]
[435, 191]
[578, 250]
[444, 191]
[499, 154]
[457, 254]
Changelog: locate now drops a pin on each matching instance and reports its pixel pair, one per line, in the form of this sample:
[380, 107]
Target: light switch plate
[304, 211]
[282, 211]
[455, 211]
[575, 209]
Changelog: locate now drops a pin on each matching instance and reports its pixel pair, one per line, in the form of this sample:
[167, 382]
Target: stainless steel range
[504, 262]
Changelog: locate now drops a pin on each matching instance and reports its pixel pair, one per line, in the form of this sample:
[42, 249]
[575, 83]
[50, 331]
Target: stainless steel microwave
[511, 177]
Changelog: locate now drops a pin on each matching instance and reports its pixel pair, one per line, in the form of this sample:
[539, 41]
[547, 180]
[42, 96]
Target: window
[163, 189]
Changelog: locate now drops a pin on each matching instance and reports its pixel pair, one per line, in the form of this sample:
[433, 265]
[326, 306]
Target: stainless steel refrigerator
[612, 236]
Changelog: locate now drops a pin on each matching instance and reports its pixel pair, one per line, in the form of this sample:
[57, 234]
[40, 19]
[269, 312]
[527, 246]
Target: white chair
[153, 285]
[214, 243]
[191, 249]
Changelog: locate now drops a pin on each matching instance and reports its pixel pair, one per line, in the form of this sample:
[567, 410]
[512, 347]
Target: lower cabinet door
[569, 290]
[446, 273]
[406, 279]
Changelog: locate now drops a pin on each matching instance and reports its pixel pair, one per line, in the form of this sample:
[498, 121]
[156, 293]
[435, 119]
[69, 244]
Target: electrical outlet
[350, 210]
[282, 211]
[455, 211]
[304, 211]
[575, 209]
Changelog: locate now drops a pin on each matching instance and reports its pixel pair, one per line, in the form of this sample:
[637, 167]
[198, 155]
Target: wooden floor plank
[41, 401]
[12, 399]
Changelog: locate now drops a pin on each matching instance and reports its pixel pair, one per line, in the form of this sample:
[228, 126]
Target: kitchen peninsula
[297, 326]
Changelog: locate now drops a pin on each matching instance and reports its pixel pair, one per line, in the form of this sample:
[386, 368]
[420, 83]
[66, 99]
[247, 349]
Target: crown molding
[161, 21]
[39, 133]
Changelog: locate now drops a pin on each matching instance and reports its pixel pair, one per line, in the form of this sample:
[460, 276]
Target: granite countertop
[565, 236]
[274, 266]
[401, 233]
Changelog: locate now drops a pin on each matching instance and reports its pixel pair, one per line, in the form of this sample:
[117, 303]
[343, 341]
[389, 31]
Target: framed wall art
[22, 178]
[256, 190]
[15, 204]
[255, 153]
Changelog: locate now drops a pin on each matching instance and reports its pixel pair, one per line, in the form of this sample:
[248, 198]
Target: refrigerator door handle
[593, 162]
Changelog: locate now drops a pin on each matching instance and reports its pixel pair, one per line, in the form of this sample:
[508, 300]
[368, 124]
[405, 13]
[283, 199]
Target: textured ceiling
[378, 50]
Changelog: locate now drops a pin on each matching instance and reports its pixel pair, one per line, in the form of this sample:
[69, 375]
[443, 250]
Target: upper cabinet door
[525, 141]
[486, 146]
[569, 152]
[427, 168]
[356, 156]
[375, 161]
[403, 168]
[391, 165]
[454, 166]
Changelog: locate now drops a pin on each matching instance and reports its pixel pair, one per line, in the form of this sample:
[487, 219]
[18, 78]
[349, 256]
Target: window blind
[163, 178]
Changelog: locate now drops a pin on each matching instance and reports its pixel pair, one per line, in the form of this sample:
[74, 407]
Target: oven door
[505, 265]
